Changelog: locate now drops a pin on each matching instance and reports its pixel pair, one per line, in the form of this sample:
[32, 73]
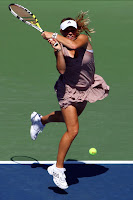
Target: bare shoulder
[83, 36]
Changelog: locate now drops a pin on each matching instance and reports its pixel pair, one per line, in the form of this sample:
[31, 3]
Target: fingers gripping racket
[24, 15]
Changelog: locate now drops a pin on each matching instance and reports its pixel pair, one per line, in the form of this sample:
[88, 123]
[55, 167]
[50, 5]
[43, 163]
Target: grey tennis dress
[79, 83]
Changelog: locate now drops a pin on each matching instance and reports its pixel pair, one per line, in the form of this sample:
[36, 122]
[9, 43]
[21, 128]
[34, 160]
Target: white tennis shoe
[59, 176]
[36, 126]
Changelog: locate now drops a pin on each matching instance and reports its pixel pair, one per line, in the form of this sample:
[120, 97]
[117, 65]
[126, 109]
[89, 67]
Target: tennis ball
[92, 151]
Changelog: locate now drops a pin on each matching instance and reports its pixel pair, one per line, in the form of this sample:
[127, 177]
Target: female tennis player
[77, 85]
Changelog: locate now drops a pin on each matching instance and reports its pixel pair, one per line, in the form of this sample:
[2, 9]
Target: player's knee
[73, 132]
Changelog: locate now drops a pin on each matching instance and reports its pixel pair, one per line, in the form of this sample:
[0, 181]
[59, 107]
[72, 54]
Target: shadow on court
[80, 170]
[76, 171]
[30, 180]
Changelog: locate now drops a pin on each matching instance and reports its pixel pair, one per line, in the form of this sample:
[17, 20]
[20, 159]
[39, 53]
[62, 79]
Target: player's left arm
[80, 41]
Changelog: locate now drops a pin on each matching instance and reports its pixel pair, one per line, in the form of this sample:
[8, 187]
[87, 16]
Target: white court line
[70, 162]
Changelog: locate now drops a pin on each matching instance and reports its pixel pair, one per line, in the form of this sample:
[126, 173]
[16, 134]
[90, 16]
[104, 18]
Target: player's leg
[39, 121]
[71, 120]
[70, 115]
[57, 170]
[55, 116]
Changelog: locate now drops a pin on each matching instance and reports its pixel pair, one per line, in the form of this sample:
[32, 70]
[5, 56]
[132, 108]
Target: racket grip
[56, 44]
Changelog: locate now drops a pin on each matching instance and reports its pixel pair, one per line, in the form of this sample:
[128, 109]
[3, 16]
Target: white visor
[68, 23]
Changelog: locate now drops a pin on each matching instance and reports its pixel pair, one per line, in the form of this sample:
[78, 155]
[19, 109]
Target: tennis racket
[24, 15]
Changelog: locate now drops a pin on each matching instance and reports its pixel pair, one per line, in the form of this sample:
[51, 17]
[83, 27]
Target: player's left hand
[52, 42]
[47, 35]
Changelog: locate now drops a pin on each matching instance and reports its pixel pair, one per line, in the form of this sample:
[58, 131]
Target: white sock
[60, 169]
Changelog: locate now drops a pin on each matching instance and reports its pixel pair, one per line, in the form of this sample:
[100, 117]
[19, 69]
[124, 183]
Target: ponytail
[83, 23]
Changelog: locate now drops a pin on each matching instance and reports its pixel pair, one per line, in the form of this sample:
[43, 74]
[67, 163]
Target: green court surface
[28, 75]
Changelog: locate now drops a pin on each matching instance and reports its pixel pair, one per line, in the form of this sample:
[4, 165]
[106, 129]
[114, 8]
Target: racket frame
[37, 26]
[26, 22]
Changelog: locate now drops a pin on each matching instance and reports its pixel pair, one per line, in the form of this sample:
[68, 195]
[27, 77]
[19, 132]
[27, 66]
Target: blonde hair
[82, 23]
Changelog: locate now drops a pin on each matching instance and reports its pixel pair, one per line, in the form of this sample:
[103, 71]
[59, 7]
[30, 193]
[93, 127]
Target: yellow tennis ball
[92, 151]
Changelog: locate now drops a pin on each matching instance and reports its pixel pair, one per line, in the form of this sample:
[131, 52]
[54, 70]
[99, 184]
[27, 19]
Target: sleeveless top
[79, 83]
[80, 70]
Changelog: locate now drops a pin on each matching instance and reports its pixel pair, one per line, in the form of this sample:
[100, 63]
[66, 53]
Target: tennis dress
[79, 83]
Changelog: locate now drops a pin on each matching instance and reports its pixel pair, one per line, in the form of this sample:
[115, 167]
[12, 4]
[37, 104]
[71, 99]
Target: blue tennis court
[86, 181]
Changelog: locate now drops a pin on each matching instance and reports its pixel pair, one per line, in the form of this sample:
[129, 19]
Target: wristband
[54, 36]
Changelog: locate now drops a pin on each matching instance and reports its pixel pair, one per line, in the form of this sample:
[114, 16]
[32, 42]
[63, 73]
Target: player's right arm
[60, 61]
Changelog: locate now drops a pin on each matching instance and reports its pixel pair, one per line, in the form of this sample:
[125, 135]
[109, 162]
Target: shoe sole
[32, 117]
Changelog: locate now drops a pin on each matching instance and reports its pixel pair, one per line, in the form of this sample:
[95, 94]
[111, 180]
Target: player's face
[70, 33]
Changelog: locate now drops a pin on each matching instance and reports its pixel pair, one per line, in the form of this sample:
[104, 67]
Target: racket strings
[24, 14]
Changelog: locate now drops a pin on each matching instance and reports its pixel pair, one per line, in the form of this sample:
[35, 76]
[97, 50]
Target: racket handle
[56, 44]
